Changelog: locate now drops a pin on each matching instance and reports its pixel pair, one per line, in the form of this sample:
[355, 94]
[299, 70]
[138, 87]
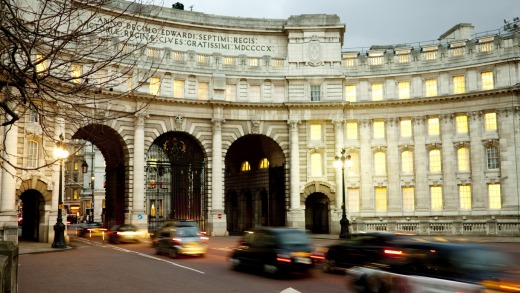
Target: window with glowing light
[245, 167]
[350, 93]
[408, 198]
[463, 159]
[407, 162]
[353, 200]
[155, 85]
[404, 89]
[203, 90]
[431, 87]
[377, 92]
[495, 197]
[461, 124]
[381, 202]
[379, 128]
[264, 164]
[316, 165]
[487, 80]
[490, 121]
[380, 163]
[459, 84]
[405, 127]
[435, 161]
[178, 88]
[433, 126]
[465, 197]
[352, 129]
[436, 198]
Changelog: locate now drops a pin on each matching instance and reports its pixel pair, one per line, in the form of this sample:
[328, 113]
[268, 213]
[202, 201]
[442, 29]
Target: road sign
[219, 216]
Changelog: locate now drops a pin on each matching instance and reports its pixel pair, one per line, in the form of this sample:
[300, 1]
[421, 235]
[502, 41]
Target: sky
[373, 22]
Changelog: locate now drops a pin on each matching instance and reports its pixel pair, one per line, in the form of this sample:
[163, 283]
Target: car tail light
[317, 257]
[204, 239]
[176, 241]
[283, 258]
[393, 251]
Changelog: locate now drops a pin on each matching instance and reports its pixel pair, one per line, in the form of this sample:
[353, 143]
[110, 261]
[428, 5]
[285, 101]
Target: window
[354, 168]
[436, 197]
[377, 92]
[32, 154]
[350, 62]
[315, 93]
[406, 127]
[76, 167]
[76, 71]
[490, 120]
[178, 88]
[231, 92]
[229, 60]
[461, 123]
[316, 165]
[380, 199]
[495, 199]
[153, 52]
[350, 93]
[245, 167]
[486, 47]
[264, 164]
[253, 62]
[463, 159]
[433, 126]
[203, 90]
[353, 200]
[465, 197]
[375, 60]
[431, 87]
[33, 115]
[380, 163]
[435, 161]
[403, 58]
[493, 159]
[487, 80]
[459, 85]
[352, 130]
[315, 132]
[41, 64]
[201, 58]
[178, 56]
[379, 129]
[430, 55]
[75, 194]
[277, 62]
[407, 162]
[408, 198]
[404, 89]
[155, 86]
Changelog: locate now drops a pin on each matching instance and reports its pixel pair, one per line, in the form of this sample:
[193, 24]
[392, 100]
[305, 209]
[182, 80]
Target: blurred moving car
[421, 265]
[171, 223]
[123, 233]
[274, 251]
[90, 229]
[360, 249]
[181, 240]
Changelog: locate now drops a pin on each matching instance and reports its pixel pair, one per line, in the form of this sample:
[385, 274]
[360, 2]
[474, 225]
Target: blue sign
[139, 216]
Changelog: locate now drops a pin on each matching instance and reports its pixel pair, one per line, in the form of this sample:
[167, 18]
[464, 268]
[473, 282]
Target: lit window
[457, 51]
[490, 120]
[493, 158]
[408, 198]
[153, 52]
[380, 163]
[465, 197]
[463, 159]
[203, 90]
[461, 122]
[178, 88]
[354, 168]
[459, 85]
[229, 60]
[486, 47]
[316, 165]
[353, 200]
[431, 87]
[75, 194]
[403, 58]
[381, 199]
[377, 92]
[316, 132]
[407, 162]
[231, 92]
[155, 85]
[32, 154]
[495, 199]
[487, 80]
[41, 65]
[264, 164]
[201, 58]
[406, 127]
[245, 167]
[350, 93]
[435, 160]
[433, 126]
[375, 60]
[178, 56]
[76, 71]
[379, 129]
[436, 197]
[404, 89]
[350, 62]
[76, 166]
[430, 55]
[253, 62]
[278, 62]
[315, 93]
[352, 130]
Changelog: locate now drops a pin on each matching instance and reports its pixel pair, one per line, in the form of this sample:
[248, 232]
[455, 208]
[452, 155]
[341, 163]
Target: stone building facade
[248, 116]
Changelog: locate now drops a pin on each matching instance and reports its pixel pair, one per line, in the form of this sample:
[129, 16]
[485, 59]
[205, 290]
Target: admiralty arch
[248, 116]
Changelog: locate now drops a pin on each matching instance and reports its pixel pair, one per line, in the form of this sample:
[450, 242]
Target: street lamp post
[343, 161]
[92, 179]
[60, 152]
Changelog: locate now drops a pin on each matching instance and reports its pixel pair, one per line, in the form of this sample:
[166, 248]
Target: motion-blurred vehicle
[168, 224]
[360, 249]
[123, 234]
[438, 267]
[90, 229]
[181, 240]
[274, 251]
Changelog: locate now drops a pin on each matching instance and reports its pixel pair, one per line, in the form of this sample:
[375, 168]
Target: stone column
[422, 190]
[8, 216]
[59, 130]
[336, 212]
[478, 163]
[395, 199]
[295, 216]
[449, 164]
[217, 218]
[138, 213]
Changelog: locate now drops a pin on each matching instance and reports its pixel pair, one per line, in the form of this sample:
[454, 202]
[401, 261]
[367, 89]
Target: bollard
[10, 278]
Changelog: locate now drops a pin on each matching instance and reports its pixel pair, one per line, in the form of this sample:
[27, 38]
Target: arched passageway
[31, 207]
[254, 184]
[317, 213]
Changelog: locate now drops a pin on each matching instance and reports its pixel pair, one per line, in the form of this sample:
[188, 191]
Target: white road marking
[290, 290]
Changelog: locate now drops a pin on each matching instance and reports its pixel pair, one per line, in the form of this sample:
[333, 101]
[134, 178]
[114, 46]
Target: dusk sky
[373, 22]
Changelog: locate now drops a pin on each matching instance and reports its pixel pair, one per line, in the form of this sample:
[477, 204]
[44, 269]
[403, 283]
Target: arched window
[264, 164]
[245, 167]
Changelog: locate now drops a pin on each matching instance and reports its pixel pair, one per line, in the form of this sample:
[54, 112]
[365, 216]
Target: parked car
[123, 233]
[425, 264]
[274, 251]
[181, 240]
[90, 229]
[171, 223]
[360, 249]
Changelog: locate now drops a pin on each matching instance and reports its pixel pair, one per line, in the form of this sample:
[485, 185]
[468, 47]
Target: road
[97, 266]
